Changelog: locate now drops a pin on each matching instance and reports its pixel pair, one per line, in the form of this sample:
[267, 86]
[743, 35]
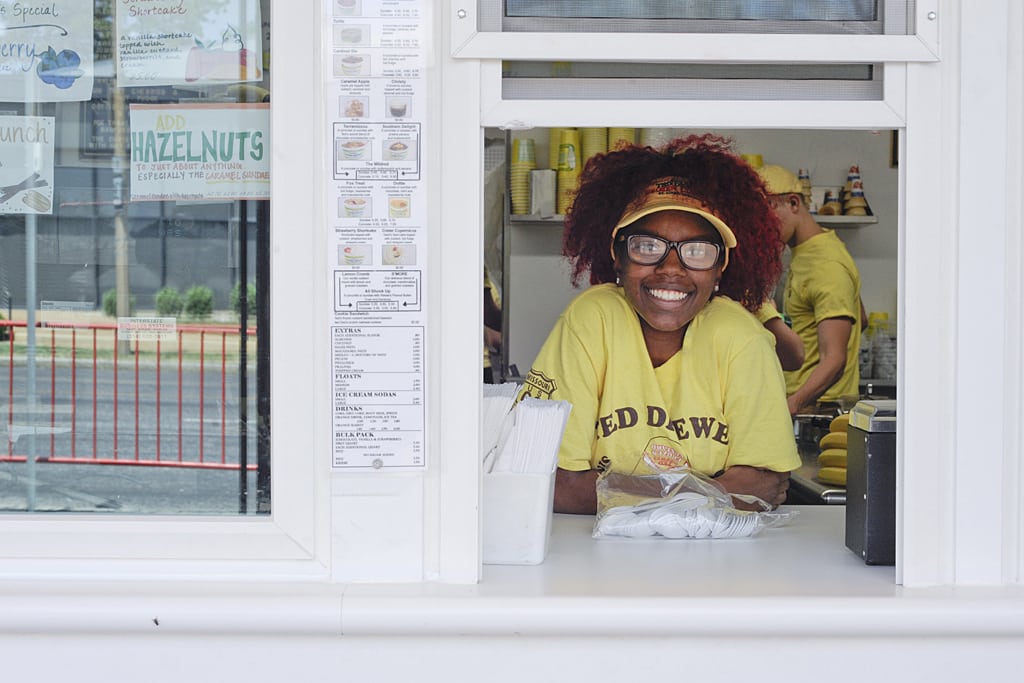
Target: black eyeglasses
[650, 250]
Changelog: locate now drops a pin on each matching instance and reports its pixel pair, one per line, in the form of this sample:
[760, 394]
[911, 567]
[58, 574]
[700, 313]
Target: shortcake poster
[175, 42]
[46, 51]
[200, 152]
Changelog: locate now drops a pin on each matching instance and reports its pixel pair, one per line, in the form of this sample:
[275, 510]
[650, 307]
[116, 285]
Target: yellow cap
[754, 160]
[780, 180]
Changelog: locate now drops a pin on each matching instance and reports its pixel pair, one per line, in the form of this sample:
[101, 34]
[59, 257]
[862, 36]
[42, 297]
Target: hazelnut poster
[174, 42]
[200, 152]
[46, 51]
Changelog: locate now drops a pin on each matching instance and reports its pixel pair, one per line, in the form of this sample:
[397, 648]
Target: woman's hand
[576, 492]
[767, 485]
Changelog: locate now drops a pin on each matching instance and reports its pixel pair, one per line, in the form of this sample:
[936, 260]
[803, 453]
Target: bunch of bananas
[832, 459]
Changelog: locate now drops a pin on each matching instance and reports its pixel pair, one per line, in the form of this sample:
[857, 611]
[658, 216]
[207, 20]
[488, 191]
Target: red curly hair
[714, 174]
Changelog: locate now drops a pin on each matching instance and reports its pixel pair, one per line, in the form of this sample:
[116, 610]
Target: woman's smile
[667, 294]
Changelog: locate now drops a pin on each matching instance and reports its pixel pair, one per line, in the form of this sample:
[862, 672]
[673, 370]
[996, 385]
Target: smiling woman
[661, 358]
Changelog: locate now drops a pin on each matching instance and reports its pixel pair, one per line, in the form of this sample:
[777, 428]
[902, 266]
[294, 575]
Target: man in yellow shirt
[821, 297]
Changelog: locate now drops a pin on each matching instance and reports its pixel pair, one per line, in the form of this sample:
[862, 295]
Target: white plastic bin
[517, 517]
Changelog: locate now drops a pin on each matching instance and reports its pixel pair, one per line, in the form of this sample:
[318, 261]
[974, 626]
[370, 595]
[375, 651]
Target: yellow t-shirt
[719, 401]
[823, 282]
[767, 312]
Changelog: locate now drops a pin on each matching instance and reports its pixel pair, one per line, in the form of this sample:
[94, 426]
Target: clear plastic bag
[677, 503]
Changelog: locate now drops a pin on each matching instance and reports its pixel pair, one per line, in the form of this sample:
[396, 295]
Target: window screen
[893, 17]
[667, 81]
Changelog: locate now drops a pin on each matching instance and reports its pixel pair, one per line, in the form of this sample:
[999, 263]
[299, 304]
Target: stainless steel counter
[804, 486]
[806, 489]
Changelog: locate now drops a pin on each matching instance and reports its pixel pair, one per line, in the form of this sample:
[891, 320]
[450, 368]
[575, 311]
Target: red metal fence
[165, 416]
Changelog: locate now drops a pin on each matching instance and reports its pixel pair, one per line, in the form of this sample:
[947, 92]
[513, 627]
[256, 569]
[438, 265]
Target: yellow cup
[755, 160]
[593, 141]
[566, 190]
[569, 150]
[554, 139]
[523, 150]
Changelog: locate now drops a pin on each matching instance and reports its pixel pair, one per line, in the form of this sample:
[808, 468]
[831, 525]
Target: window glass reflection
[134, 277]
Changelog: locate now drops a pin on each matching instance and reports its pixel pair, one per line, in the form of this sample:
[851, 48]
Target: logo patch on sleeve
[538, 385]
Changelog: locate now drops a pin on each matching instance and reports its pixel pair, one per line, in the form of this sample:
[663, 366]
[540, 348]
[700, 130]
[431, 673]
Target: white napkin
[527, 438]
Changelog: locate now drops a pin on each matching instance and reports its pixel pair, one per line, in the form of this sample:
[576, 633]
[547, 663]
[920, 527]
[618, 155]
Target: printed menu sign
[200, 151]
[378, 407]
[377, 237]
[168, 42]
[46, 51]
[26, 171]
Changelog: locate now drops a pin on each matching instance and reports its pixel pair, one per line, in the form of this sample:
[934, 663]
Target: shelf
[534, 218]
[845, 221]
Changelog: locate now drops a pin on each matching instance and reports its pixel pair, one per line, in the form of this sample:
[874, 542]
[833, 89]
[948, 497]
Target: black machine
[871, 481]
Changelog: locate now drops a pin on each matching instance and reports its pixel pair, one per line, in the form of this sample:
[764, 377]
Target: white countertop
[774, 563]
[795, 580]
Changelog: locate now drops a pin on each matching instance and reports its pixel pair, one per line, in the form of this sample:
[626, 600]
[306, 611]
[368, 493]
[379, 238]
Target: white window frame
[944, 535]
[950, 305]
[469, 43]
[292, 541]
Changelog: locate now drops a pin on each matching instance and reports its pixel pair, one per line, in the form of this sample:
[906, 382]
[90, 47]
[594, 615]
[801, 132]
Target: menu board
[376, 101]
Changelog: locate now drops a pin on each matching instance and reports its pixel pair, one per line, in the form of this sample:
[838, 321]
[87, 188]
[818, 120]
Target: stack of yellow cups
[554, 139]
[593, 141]
[619, 137]
[568, 169]
[524, 160]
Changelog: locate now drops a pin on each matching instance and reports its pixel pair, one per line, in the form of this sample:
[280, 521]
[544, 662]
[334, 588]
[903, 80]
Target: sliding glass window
[134, 269]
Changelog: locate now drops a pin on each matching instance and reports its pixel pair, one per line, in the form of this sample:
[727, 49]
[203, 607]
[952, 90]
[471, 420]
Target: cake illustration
[226, 60]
